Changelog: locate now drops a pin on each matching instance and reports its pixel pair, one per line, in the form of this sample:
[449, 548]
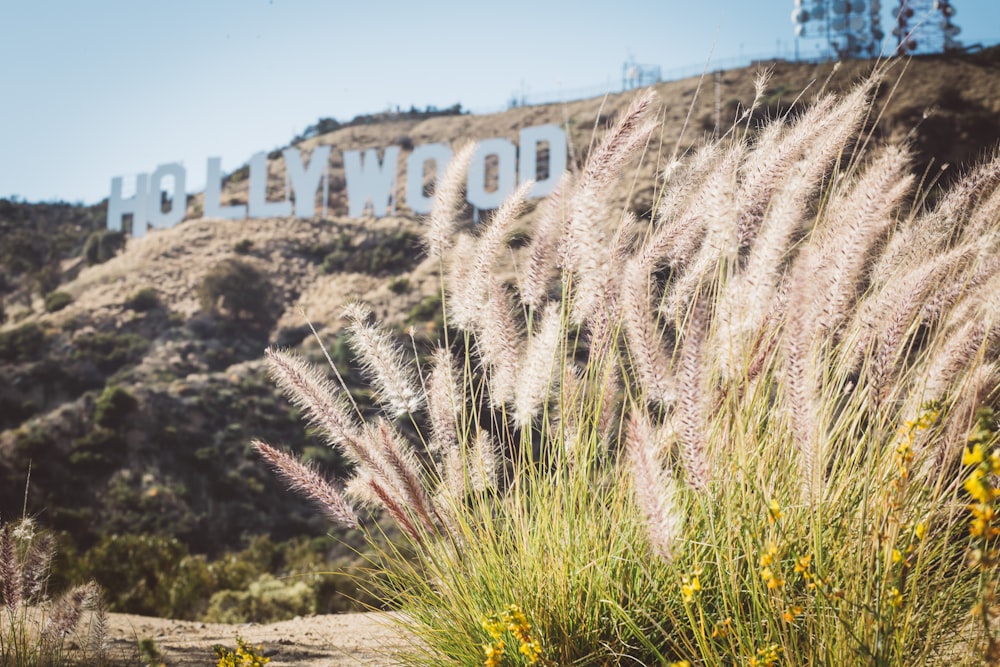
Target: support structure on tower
[925, 26]
[853, 28]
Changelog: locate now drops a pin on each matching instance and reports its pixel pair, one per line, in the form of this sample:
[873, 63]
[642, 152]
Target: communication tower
[853, 28]
[924, 26]
[635, 75]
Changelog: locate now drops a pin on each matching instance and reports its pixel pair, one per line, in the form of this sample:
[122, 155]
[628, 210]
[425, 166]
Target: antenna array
[853, 28]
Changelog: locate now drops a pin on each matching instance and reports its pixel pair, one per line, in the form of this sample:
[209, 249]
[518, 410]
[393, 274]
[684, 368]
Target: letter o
[440, 154]
[178, 198]
[506, 154]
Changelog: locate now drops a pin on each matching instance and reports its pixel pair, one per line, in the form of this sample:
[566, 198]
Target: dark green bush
[56, 301]
[100, 451]
[22, 344]
[47, 278]
[239, 175]
[32, 441]
[243, 246]
[155, 575]
[518, 239]
[102, 245]
[377, 255]
[113, 405]
[399, 285]
[136, 572]
[109, 351]
[145, 299]
[428, 310]
[237, 290]
[14, 411]
[265, 600]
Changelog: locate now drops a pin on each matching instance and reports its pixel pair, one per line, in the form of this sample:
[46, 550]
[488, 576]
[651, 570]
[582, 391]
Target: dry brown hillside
[133, 398]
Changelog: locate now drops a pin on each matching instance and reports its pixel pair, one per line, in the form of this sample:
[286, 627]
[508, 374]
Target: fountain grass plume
[755, 427]
[35, 629]
[304, 479]
[383, 362]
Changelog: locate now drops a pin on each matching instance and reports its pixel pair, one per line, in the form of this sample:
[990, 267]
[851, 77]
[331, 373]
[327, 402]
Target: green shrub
[100, 451]
[426, 310]
[113, 405]
[237, 290]
[137, 572]
[149, 654]
[239, 175]
[265, 600]
[243, 246]
[157, 575]
[380, 254]
[56, 301]
[102, 245]
[400, 285]
[14, 410]
[47, 278]
[23, 343]
[109, 351]
[518, 239]
[144, 299]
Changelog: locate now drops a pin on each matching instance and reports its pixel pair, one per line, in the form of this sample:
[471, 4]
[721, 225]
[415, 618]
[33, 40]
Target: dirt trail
[314, 641]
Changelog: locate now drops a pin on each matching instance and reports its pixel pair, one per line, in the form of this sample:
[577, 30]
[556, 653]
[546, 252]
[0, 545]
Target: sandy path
[314, 641]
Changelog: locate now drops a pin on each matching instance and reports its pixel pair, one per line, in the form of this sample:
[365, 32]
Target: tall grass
[736, 434]
[35, 630]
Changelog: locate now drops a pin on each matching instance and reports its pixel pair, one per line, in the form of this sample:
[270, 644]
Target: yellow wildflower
[766, 657]
[982, 524]
[512, 620]
[895, 597]
[494, 653]
[721, 628]
[978, 486]
[790, 614]
[532, 650]
[774, 512]
[973, 456]
[769, 556]
[244, 656]
[995, 462]
[517, 623]
[767, 559]
[803, 565]
[689, 587]
[493, 626]
[773, 581]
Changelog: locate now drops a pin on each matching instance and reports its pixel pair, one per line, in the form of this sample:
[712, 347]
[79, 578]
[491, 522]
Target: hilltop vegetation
[131, 379]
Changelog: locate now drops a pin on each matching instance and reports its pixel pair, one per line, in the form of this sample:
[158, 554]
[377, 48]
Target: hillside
[131, 378]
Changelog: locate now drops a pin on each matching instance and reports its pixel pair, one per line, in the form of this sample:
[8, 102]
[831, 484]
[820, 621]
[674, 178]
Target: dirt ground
[313, 641]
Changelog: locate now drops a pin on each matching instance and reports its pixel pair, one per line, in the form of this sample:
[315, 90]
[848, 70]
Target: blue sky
[104, 88]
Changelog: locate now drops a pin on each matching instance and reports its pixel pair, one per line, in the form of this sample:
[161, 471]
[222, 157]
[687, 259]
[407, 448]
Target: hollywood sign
[369, 181]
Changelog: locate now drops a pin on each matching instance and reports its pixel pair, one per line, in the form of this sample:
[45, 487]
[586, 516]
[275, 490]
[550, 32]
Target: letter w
[369, 179]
